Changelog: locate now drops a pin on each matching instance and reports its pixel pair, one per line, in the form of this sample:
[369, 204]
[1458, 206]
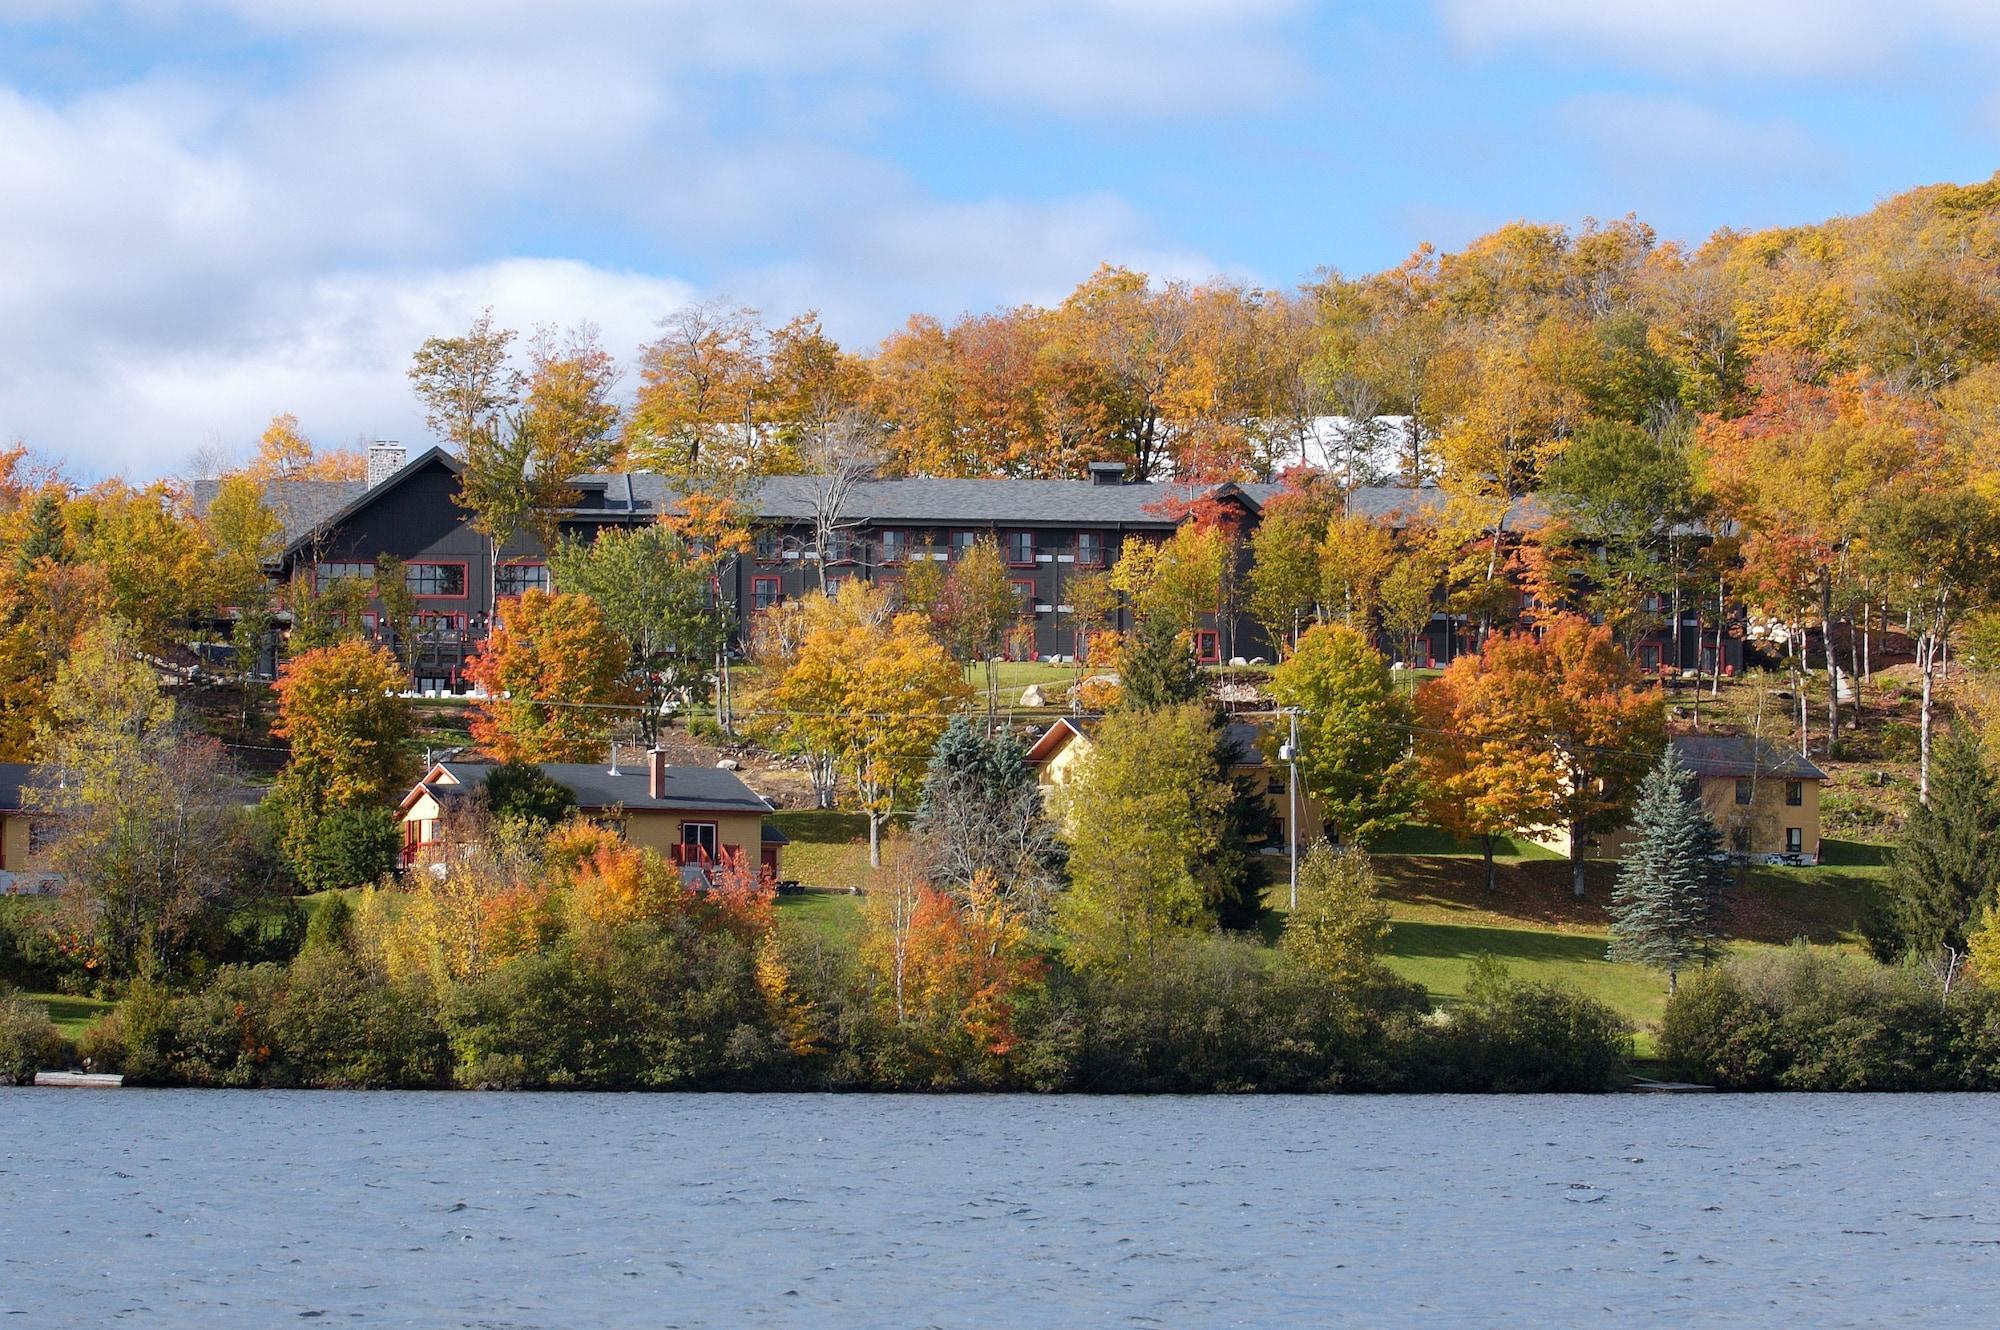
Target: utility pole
[1289, 755]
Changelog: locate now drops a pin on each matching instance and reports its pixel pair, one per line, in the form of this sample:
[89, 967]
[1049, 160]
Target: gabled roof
[14, 777]
[1057, 737]
[306, 508]
[1740, 755]
[591, 784]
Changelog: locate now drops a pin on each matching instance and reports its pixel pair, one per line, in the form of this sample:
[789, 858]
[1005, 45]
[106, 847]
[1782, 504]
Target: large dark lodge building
[1047, 531]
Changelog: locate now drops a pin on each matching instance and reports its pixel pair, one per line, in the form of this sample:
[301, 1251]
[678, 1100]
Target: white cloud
[332, 349]
[1698, 37]
[194, 249]
[1681, 142]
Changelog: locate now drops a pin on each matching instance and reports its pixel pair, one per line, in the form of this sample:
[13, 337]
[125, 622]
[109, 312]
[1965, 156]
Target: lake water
[208, 1209]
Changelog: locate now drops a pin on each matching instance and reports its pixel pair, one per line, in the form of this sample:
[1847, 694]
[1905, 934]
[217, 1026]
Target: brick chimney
[656, 773]
[385, 459]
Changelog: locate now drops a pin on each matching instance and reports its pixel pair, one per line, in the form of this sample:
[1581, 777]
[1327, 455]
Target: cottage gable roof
[14, 778]
[1740, 755]
[593, 786]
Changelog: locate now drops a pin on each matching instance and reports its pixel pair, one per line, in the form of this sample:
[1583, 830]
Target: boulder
[1237, 662]
[1031, 696]
[729, 764]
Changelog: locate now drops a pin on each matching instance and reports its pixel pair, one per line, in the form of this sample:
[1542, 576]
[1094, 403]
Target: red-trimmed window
[699, 842]
[1208, 646]
[842, 547]
[765, 593]
[341, 570]
[1020, 549]
[1024, 591]
[512, 579]
[960, 544]
[436, 579]
[1090, 549]
[438, 621]
[895, 546]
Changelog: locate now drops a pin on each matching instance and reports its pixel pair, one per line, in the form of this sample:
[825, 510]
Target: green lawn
[832, 916]
[1417, 838]
[71, 1014]
[829, 847]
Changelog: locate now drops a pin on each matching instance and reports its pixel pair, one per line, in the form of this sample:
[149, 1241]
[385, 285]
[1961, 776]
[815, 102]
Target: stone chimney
[385, 459]
[656, 773]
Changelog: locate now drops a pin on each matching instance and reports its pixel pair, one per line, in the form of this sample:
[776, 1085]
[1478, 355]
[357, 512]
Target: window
[1744, 788]
[1276, 785]
[1089, 549]
[840, 548]
[512, 579]
[1795, 840]
[698, 840]
[895, 546]
[767, 545]
[1795, 794]
[1649, 656]
[438, 621]
[435, 579]
[1739, 839]
[833, 585]
[893, 586]
[1021, 549]
[433, 683]
[1024, 592]
[1208, 646]
[764, 593]
[342, 570]
[961, 544]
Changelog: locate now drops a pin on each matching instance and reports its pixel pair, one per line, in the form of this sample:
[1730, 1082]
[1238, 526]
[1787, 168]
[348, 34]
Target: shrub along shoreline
[652, 1008]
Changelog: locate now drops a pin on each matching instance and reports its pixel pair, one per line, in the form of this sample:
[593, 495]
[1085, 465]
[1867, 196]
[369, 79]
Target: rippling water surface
[167, 1208]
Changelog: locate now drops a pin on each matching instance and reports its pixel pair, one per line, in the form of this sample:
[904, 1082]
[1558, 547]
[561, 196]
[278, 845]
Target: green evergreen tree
[1159, 669]
[1234, 875]
[1667, 905]
[1946, 869]
[519, 792]
[981, 812]
[46, 537]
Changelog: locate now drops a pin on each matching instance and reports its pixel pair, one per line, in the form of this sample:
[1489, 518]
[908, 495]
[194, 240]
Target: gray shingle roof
[304, 505]
[14, 777]
[300, 505]
[591, 784]
[1740, 755]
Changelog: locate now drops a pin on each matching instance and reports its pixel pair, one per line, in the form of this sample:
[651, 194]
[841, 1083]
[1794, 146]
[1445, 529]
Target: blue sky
[212, 210]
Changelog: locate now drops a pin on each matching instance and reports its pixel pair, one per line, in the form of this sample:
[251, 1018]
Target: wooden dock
[79, 1080]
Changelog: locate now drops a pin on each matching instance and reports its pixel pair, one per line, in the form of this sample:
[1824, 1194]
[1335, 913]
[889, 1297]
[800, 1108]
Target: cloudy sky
[212, 210]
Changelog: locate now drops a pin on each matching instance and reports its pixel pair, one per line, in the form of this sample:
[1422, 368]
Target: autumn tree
[982, 814]
[341, 709]
[1353, 731]
[654, 588]
[700, 384]
[143, 824]
[553, 672]
[1937, 554]
[467, 384]
[1340, 929]
[1477, 780]
[1142, 815]
[875, 697]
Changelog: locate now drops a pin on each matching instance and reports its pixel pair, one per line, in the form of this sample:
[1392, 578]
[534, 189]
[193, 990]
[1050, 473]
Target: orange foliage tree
[552, 671]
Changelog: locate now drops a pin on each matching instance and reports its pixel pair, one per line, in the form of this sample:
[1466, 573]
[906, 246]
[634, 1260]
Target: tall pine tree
[1668, 901]
[1946, 869]
[1159, 670]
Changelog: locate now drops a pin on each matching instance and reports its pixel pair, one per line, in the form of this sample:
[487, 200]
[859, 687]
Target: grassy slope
[1444, 918]
[71, 1014]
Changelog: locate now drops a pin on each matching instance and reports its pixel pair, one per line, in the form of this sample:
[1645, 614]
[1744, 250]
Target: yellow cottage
[698, 817]
[1055, 754]
[15, 777]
